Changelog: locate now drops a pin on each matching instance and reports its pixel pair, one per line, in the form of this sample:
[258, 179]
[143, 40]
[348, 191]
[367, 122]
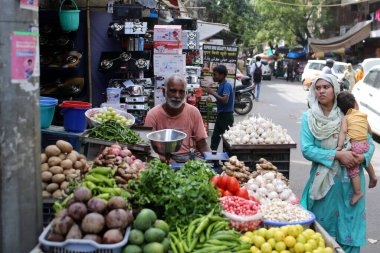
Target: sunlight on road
[299, 96]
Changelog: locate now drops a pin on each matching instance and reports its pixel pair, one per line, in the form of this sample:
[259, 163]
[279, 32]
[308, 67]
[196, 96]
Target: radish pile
[244, 215]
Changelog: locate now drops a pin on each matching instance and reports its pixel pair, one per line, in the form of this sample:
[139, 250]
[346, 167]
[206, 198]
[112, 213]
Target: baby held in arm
[355, 126]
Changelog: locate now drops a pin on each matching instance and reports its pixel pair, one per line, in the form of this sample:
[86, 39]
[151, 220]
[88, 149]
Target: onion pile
[121, 159]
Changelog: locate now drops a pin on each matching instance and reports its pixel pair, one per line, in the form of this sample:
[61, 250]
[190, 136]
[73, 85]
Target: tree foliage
[260, 21]
[239, 15]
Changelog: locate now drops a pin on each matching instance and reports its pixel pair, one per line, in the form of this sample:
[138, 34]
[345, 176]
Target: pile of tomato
[229, 186]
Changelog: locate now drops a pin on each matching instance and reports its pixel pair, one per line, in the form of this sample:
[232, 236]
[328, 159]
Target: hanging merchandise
[122, 62]
[69, 18]
[190, 40]
[135, 27]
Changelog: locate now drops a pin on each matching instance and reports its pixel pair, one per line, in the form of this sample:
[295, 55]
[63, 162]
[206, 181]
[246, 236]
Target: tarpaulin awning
[207, 29]
[353, 36]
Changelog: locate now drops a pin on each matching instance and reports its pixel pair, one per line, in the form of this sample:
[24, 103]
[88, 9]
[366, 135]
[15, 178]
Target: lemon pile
[286, 239]
[111, 114]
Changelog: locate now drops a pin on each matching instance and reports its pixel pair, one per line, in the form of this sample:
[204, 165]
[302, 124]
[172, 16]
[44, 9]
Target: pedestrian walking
[349, 75]
[360, 74]
[224, 102]
[289, 71]
[257, 75]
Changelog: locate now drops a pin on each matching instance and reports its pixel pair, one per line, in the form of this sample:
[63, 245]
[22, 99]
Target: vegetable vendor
[328, 191]
[176, 114]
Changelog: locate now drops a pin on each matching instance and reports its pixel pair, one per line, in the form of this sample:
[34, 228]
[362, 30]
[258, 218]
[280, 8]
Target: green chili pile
[114, 131]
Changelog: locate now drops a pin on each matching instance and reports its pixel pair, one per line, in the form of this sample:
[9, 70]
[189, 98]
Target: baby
[355, 125]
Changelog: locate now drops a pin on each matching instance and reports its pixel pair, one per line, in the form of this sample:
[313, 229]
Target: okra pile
[208, 234]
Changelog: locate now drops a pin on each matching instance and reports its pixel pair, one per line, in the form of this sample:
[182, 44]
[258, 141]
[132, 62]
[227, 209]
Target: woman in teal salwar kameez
[328, 191]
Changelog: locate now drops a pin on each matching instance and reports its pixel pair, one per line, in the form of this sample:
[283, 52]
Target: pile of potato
[60, 165]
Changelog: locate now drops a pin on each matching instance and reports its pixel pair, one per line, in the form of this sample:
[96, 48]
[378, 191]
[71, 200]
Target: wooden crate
[278, 154]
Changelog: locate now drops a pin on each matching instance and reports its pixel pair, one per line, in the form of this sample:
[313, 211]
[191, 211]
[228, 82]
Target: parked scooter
[244, 96]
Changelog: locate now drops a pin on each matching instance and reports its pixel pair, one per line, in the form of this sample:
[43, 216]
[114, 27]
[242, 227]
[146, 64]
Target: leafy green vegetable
[183, 196]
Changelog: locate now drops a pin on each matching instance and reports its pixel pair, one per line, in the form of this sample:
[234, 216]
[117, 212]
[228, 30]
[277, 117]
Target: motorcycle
[244, 96]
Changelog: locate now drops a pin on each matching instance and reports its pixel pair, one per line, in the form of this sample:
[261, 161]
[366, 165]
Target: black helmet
[329, 63]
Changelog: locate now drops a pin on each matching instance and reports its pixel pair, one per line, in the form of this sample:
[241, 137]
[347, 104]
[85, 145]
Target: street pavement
[284, 103]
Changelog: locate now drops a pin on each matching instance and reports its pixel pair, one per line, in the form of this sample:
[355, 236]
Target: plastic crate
[47, 211]
[81, 246]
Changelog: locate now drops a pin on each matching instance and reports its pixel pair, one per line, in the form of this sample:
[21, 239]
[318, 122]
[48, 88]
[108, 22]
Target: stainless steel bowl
[166, 141]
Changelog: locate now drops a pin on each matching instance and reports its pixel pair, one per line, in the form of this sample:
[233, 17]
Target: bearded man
[176, 114]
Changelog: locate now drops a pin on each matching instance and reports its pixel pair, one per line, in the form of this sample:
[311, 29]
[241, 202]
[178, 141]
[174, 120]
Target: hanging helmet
[330, 63]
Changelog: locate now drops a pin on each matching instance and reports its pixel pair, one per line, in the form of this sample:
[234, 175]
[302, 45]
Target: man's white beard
[174, 103]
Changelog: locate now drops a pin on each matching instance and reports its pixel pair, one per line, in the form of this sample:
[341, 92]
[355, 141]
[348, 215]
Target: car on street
[267, 72]
[314, 68]
[367, 93]
[368, 63]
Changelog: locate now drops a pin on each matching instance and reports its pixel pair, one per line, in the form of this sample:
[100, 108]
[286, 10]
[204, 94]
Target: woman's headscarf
[321, 126]
[325, 129]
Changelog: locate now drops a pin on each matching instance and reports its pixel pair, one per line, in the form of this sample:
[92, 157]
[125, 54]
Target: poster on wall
[29, 5]
[24, 56]
[213, 55]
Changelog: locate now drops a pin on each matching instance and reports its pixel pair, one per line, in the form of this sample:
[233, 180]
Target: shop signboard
[214, 55]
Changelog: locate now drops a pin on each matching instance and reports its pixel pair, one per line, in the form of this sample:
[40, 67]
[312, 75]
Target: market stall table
[53, 133]
[140, 149]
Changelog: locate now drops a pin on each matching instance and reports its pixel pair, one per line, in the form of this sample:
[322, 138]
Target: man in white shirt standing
[257, 74]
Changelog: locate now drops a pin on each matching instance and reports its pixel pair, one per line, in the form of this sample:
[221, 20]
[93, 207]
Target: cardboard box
[167, 33]
[135, 27]
[161, 47]
[165, 65]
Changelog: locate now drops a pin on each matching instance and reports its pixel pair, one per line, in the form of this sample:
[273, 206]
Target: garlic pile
[280, 211]
[257, 130]
[267, 187]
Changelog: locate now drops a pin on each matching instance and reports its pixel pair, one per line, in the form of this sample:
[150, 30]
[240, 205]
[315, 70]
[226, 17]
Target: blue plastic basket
[47, 109]
[69, 19]
[305, 223]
